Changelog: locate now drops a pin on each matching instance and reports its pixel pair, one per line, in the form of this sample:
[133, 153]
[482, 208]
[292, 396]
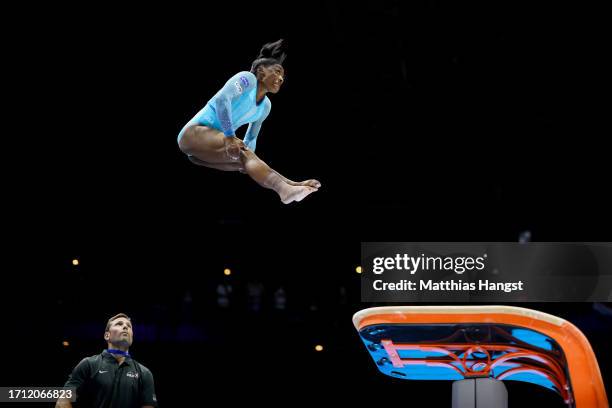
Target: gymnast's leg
[312, 182]
[235, 166]
[207, 145]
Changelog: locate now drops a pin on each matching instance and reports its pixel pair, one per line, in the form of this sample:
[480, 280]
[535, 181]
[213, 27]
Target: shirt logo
[238, 87]
[244, 80]
[132, 374]
[103, 371]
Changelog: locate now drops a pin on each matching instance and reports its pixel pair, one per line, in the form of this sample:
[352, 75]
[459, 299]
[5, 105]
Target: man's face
[272, 77]
[120, 332]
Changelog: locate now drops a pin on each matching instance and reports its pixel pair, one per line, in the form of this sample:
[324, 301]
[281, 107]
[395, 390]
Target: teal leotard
[234, 106]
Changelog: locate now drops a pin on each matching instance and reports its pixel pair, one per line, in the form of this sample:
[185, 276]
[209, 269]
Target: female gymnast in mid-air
[209, 138]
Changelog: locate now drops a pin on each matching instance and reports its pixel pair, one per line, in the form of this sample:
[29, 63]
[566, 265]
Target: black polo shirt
[102, 382]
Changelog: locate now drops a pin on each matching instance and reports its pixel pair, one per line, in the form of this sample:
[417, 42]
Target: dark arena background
[424, 121]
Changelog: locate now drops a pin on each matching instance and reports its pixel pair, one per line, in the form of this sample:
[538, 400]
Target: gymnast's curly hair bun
[273, 50]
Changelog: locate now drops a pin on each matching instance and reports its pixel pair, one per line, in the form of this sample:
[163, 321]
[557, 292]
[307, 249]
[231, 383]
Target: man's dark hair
[270, 54]
[115, 317]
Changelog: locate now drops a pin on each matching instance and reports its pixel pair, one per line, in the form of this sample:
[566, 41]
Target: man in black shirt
[112, 379]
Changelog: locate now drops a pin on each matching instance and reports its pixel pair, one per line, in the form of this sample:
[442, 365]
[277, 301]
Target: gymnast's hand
[232, 147]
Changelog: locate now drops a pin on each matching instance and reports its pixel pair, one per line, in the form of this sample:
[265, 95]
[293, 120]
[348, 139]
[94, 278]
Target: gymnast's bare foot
[310, 183]
[290, 193]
